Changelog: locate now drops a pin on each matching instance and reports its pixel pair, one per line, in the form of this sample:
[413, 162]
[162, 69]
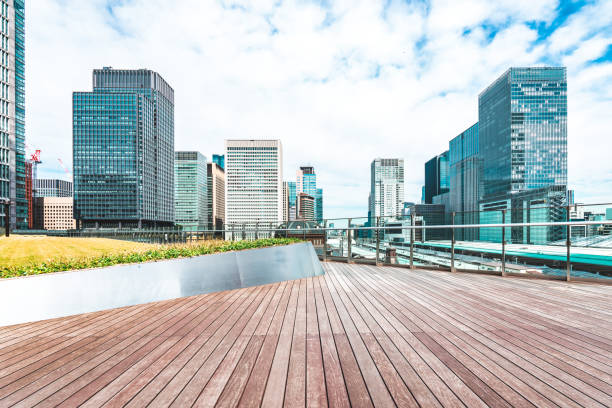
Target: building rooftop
[359, 335]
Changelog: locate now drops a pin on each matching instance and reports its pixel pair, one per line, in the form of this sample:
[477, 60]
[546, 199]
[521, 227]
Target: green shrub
[164, 252]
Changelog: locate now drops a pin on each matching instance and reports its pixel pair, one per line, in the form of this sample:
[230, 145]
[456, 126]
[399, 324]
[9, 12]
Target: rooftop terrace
[359, 335]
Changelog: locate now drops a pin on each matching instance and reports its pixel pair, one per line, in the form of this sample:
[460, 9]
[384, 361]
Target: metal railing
[373, 244]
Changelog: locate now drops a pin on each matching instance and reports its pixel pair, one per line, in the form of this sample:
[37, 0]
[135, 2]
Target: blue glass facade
[12, 112]
[190, 190]
[523, 150]
[523, 130]
[319, 205]
[437, 179]
[465, 181]
[219, 159]
[292, 200]
[123, 147]
[307, 183]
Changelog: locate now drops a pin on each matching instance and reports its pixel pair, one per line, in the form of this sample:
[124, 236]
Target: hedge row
[165, 252]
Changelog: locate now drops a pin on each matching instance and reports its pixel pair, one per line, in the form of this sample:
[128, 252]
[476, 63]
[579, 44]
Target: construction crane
[64, 167]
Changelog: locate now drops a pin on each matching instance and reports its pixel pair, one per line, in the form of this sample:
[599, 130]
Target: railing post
[453, 242]
[324, 240]
[377, 240]
[568, 244]
[304, 229]
[348, 242]
[503, 254]
[412, 241]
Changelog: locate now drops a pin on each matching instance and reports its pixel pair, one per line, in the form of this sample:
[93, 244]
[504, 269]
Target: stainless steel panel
[62, 294]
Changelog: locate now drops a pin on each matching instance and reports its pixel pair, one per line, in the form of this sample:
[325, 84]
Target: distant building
[436, 177]
[12, 114]
[123, 148]
[54, 213]
[306, 182]
[52, 188]
[291, 191]
[190, 190]
[219, 159]
[253, 182]
[216, 196]
[319, 205]
[429, 214]
[285, 201]
[386, 188]
[306, 204]
[465, 170]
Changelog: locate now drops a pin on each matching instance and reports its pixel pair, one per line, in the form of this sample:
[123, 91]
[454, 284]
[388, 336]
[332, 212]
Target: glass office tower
[219, 159]
[464, 164]
[190, 191]
[12, 113]
[523, 147]
[523, 130]
[436, 177]
[291, 190]
[306, 182]
[123, 147]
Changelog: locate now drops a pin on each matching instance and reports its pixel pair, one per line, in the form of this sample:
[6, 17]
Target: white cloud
[339, 84]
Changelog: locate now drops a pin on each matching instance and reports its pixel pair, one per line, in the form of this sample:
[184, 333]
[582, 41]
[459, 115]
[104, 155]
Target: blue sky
[339, 82]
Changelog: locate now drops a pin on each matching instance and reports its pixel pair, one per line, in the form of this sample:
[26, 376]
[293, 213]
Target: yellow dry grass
[23, 250]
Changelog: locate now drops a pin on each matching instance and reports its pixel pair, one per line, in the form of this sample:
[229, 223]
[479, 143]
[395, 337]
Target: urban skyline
[198, 121]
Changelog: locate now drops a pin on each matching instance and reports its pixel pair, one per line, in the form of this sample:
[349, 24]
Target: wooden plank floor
[358, 336]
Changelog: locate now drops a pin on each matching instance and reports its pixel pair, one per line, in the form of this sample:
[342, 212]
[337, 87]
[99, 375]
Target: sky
[338, 82]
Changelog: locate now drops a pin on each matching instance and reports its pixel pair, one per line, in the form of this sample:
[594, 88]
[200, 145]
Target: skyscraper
[285, 201]
[219, 159]
[523, 149]
[436, 177]
[216, 196]
[465, 181]
[306, 207]
[386, 188]
[306, 182]
[291, 191]
[12, 113]
[254, 182]
[190, 190]
[123, 146]
[523, 130]
[319, 205]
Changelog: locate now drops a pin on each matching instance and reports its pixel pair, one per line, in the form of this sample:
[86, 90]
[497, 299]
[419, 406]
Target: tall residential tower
[386, 188]
[123, 146]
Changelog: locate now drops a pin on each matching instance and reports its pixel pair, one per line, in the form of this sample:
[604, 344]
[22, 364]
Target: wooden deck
[358, 336]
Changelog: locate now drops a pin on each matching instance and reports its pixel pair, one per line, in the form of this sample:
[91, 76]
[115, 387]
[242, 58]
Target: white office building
[253, 184]
[386, 188]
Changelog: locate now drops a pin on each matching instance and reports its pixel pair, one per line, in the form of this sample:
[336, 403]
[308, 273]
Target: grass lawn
[21, 250]
[33, 255]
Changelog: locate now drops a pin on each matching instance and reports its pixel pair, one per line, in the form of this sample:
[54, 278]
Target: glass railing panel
[591, 244]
